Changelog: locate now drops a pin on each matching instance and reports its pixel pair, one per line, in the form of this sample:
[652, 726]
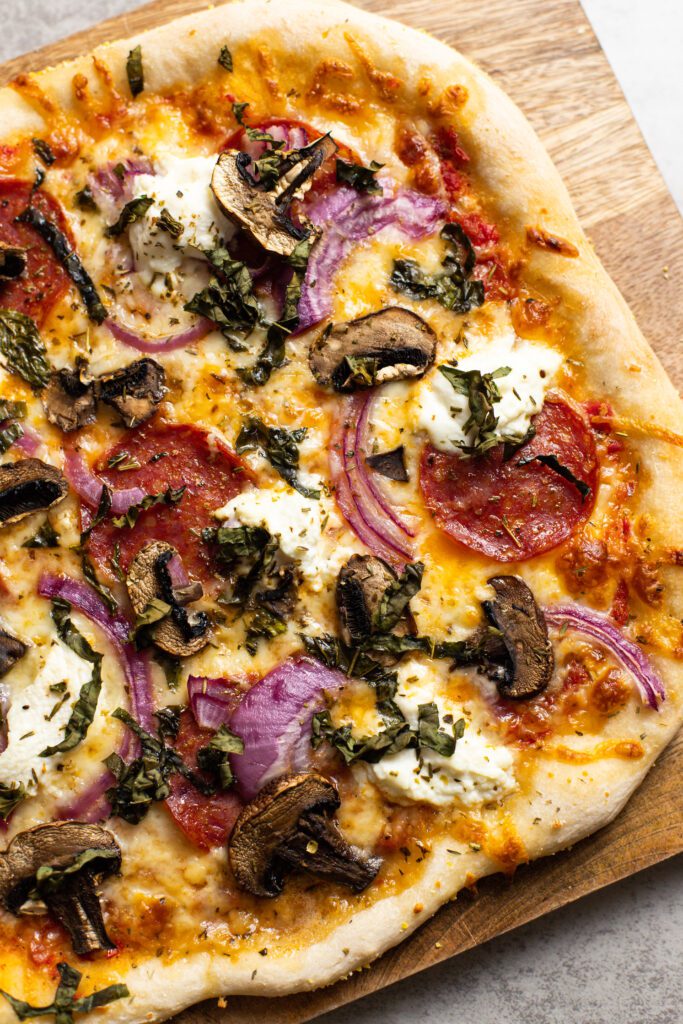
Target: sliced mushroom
[28, 486]
[150, 579]
[12, 261]
[361, 585]
[134, 391]
[12, 650]
[290, 825]
[69, 399]
[529, 664]
[263, 214]
[61, 865]
[391, 344]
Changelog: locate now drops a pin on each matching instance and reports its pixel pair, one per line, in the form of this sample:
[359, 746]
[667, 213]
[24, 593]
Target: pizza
[340, 510]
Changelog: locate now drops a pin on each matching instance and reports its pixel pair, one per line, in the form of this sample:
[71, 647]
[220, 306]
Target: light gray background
[615, 957]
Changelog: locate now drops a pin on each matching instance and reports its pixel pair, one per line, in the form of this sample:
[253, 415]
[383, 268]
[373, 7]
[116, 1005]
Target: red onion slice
[274, 720]
[168, 343]
[91, 804]
[365, 515]
[88, 486]
[29, 442]
[212, 701]
[360, 452]
[350, 218]
[629, 655]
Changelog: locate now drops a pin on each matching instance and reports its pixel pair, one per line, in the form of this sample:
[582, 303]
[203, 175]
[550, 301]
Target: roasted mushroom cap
[529, 665]
[11, 651]
[391, 344]
[263, 214]
[150, 579]
[360, 586]
[61, 864]
[290, 825]
[28, 486]
[12, 261]
[134, 391]
[69, 399]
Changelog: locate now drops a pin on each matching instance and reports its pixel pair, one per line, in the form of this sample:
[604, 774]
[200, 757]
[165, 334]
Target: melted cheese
[31, 724]
[478, 772]
[182, 187]
[443, 413]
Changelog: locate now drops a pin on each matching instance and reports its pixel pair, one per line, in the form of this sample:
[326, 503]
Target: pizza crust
[528, 192]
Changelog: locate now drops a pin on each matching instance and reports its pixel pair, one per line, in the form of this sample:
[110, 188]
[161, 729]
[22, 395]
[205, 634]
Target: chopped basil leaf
[65, 1005]
[85, 199]
[42, 149]
[153, 612]
[133, 211]
[359, 177]
[134, 71]
[397, 596]
[22, 348]
[145, 779]
[169, 224]
[263, 623]
[214, 758]
[45, 537]
[280, 447]
[453, 288]
[51, 879]
[8, 435]
[225, 58]
[167, 497]
[552, 462]
[100, 588]
[238, 110]
[84, 709]
[69, 259]
[11, 795]
[171, 667]
[482, 394]
[228, 300]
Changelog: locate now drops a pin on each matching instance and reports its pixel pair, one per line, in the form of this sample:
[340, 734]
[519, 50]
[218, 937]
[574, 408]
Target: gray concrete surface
[615, 957]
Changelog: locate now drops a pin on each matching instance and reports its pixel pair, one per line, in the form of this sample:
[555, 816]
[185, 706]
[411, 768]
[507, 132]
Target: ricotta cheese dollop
[181, 186]
[36, 718]
[295, 521]
[442, 413]
[478, 772]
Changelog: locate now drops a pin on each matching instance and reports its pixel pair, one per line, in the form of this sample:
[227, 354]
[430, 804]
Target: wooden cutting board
[545, 55]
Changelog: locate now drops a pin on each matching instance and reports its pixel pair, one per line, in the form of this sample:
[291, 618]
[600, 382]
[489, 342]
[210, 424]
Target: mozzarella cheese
[442, 412]
[31, 724]
[295, 521]
[181, 186]
[478, 772]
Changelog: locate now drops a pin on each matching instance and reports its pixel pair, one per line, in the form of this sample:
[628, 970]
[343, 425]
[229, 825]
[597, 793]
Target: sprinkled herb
[214, 758]
[65, 1005]
[359, 177]
[170, 496]
[280, 447]
[84, 709]
[22, 348]
[131, 212]
[225, 59]
[134, 71]
[169, 224]
[69, 259]
[42, 149]
[453, 288]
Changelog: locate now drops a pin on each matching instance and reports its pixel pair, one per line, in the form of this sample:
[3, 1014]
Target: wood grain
[545, 55]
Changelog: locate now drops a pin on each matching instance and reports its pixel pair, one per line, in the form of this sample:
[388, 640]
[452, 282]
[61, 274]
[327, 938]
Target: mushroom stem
[320, 848]
[77, 907]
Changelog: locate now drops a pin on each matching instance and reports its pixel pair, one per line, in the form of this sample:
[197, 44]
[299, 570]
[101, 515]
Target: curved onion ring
[168, 343]
[88, 486]
[384, 533]
[629, 655]
[212, 700]
[91, 804]
[274, 720]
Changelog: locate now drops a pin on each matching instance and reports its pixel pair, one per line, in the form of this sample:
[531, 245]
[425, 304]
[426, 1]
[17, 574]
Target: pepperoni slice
[44, 281]
[512, 511]
[170, 455]
[207, 821]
